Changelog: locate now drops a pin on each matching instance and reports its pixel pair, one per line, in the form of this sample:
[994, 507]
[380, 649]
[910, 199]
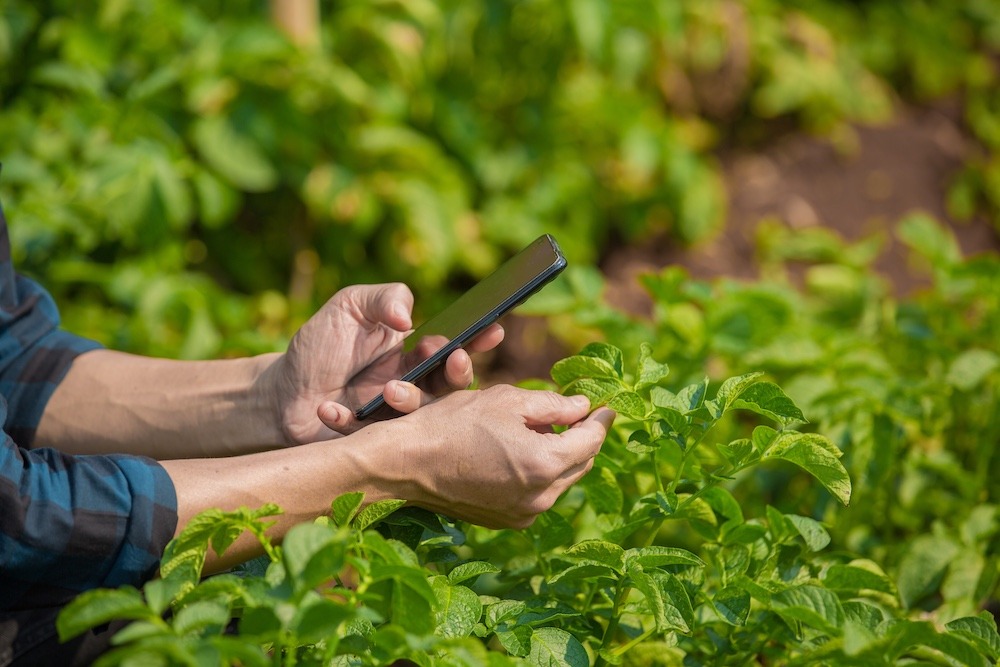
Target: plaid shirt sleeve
[67, 523]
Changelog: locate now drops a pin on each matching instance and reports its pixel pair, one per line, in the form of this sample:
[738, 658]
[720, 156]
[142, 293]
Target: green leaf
[673, 422]
[676, 595]
[865, 614]
[857, 576]
[739, 453]
[640, 442]
[566, 371]
[312, 554]
[904, 635]
[232, 155]
[603, 491]
[968, 370]
[657, 556]
[665, 615]
[204, 615]
[812, 453]
[319, 620]
[376, 512]
[733, 604]
[471, 570]
[767, 399]
[922, 567]
[628, 403]
[741, 533]
[550, 530]
[159, 593]
[78, 79]
[815, 606]
[691, 398]
[346, 507]
[651, 372]
[589, 570]
[136, 631]
[516, 640]
[458, 609]
[723, 503]
[980, 630]
[763, 437]
[552, 647]
[930, 239]
[733, 387]
[608, 353]
[97, 607]
[502, 611]
[217, 200]
[413, 599]
[261, 623]
[598, 390]
[812, 531]
[596, 552]
[546, 615]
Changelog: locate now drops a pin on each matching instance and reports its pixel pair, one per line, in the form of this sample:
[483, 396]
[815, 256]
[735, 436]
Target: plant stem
[641, 638]
[621, 595]
[687, 454]
[656, 471]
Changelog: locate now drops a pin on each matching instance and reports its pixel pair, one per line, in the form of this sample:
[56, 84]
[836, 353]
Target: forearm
[303, 483]
[166, 409]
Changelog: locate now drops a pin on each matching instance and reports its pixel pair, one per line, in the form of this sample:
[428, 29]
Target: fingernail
[400, 393]
[607, 417]
[581, 401]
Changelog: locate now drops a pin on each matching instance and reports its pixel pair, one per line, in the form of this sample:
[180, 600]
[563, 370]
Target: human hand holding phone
[345, 366]
[307, 387]
[423, 351]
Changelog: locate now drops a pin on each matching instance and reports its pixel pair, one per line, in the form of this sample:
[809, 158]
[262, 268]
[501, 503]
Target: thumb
[390, 304]
[336, 417]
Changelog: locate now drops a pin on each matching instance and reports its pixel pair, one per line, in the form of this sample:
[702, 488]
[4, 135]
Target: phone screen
[429, 345]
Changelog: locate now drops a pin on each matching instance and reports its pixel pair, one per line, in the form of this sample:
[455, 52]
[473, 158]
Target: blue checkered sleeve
[67, 523]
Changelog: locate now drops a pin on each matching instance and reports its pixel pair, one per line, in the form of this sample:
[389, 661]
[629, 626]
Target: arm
[489, 457]
[168, 409]
[68, 524]
[162, 408]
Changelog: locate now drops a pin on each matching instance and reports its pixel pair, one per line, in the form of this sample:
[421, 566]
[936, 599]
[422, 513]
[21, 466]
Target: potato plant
[652, 559]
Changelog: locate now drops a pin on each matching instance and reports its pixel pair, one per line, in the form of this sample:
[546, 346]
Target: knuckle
[522, 522]
[543, 502]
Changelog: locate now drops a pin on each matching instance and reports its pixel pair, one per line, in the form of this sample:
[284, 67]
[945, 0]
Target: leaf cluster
[189, 182]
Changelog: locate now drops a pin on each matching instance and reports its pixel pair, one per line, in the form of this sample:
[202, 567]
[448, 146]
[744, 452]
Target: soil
[905, 166]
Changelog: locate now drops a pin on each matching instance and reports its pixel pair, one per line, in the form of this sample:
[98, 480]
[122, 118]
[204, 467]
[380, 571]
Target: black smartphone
[514, 281]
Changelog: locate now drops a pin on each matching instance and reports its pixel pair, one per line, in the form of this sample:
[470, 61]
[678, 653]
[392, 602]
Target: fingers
[544, 408]
[390, 304]
[404, 396]
[338, 418]
[487, 340]
[587, 436]
[458, 370]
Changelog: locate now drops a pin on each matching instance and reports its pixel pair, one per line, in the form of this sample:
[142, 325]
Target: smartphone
[513, 282]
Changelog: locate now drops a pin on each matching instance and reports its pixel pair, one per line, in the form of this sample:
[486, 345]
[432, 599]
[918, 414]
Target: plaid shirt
[67, 523]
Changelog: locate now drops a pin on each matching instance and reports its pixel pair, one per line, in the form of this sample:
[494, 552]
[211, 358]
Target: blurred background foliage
[190, 181]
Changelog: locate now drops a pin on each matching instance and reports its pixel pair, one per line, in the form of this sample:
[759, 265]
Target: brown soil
[895, 169]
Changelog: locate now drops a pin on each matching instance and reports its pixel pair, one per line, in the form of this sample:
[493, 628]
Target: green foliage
[906, 388]
[190, 183]
[662, 547]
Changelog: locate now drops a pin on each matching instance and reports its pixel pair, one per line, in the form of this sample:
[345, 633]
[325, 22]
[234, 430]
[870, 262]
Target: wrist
[275, 398]
[383, 453]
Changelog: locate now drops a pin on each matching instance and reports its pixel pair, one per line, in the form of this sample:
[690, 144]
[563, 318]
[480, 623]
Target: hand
[355, 327]
[491, 457]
